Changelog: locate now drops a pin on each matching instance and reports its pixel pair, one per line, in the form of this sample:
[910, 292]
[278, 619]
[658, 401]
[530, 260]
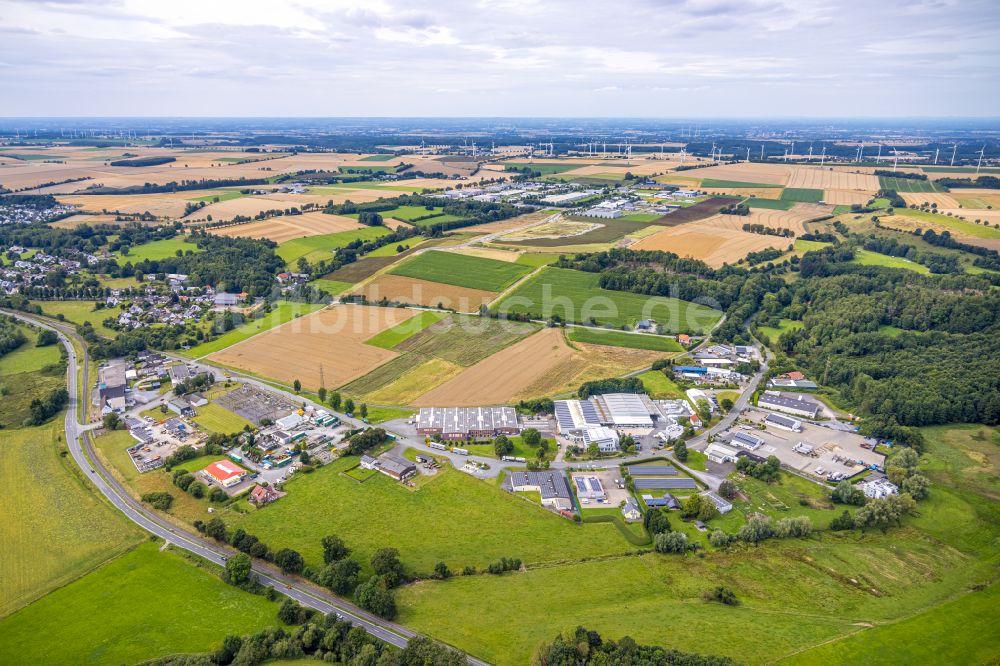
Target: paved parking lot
[613, 494]
[834, 451]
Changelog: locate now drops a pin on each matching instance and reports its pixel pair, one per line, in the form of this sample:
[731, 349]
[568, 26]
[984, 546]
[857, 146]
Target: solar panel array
[658, 484]
[652, 470]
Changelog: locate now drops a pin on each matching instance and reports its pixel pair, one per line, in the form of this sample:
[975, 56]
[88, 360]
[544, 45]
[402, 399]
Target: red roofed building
[263, 494]
[684, 339]
[224, 473]
[794, 376]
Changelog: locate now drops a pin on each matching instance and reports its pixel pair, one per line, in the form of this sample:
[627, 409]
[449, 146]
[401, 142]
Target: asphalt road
[305, 593]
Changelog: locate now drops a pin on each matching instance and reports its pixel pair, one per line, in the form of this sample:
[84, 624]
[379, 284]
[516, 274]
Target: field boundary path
[91, 466]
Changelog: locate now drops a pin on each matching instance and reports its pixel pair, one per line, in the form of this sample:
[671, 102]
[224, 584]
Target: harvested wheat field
[289, 227]
[244, 206]
[488, 253]
[756, 192]
[943, 201]
[161, 205]
[327, 345]
[793, 219]
[590, 362]
[753, 172]
[500, 377]
[423, 292]
[819, 178]
[73, 221]
[845, 197]
[513, 223]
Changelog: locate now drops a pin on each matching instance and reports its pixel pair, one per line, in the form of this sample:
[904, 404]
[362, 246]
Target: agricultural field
[801, 195]
[770, 204]
[326, 346]
[54, 529]
[754, 172]
[317, 248]
[845, 197]
[908, 185]
[867, 258]
[78, 312]
[575, 296]
[612, 338]
[814, 177]
[145, 604]
[537, 260]
[289, 227]
[715, 183]
[462, 270]
[281, 313]
[399, 289]
[391, 337]
[911, 219]
[452, 518]
[26, 382]
[332, 287]
[160, 249]
[576, 233]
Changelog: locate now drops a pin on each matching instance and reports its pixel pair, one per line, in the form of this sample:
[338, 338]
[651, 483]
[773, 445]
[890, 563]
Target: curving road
[304, 592]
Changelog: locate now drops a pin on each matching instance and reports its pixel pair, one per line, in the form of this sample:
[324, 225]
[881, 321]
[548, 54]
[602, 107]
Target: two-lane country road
[304, 592]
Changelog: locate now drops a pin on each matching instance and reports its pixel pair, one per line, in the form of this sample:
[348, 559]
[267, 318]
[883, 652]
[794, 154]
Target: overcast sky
[655, 58]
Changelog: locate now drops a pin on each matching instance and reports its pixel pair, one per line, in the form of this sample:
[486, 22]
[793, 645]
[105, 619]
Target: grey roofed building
[226, 299]
[660, 484]
[462, 422]
[784, 422]
[631, 509]
[794, 403]
[652, 470]
[747, 440]
[178, 373]
[722, 504]
[396, 467]
[550, 484]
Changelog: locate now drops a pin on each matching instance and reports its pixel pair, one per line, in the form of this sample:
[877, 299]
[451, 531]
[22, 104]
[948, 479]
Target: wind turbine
[981, 152]
[810, 153]
[936, 153]
[748, 153]
[879, 157]
[861, 153]
[761, 152]
[822, 157]
[896, 161]
[954, 149]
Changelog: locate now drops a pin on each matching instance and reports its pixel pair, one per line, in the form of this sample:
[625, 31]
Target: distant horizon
[504, 59]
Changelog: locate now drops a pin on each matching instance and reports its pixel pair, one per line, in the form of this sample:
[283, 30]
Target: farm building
[722, 504]
[720, 454]
[790, 403]
[180, 406]
[879, 487]
[783, 422]
[550, 485]
[224, 473]
[395, 467]
[458, 423]
[631, 510]
[588, 487]
[368, 462]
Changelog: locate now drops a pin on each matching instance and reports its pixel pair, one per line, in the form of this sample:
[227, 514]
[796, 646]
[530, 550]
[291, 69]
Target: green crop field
[599, 336]
[220, 195]
[770, 204]
[281, 312]
[451, 517]
[734, 184]
[908, 185]
[219, 419]
[545, 169]
[53, 527]
[640, 217]
[160, 249]
[316, 248]
[661, 387]
[576, 296]
[537, 259]
[144, 604]
[332, 287]
[466, 340]
[867, 258]
[801, 195]
[462, 270]
[78, 312]
[380, 157]
[835, 597]
[391, 337]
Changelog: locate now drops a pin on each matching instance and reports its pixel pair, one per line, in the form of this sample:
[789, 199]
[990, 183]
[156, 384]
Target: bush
[341, 576]
[196, 489]
[503, 565]
[671, 542]
[842, 522]
[373, 598]
[160, 500]
[847, 493]
[722, 595]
